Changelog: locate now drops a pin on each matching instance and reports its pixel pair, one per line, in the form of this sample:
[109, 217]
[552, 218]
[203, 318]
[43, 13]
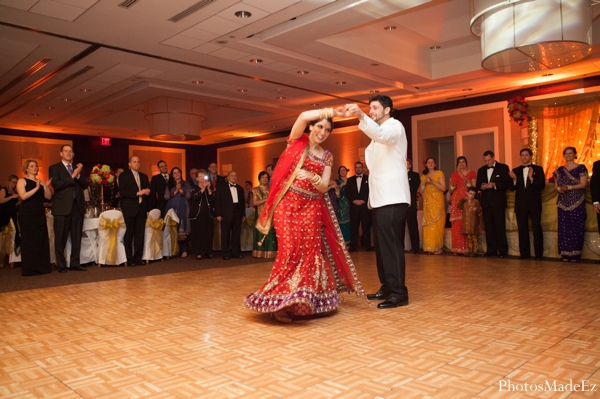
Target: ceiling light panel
[270, 6]
[219, 25]
[63, 10]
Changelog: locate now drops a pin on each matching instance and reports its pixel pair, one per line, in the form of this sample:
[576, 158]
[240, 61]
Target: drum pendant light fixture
[532, 35]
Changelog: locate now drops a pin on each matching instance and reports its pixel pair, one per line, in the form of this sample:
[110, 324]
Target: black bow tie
[231, 185]
[526, 166]
[490, 167]
[359, 176]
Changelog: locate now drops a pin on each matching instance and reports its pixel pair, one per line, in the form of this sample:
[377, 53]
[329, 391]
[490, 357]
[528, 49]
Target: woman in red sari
[460, 181]
[308, 234]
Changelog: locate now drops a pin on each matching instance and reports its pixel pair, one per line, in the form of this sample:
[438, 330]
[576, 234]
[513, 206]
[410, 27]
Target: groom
[386, 156]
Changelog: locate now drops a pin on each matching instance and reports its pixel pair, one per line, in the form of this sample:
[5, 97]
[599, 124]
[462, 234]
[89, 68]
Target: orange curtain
[567, 122]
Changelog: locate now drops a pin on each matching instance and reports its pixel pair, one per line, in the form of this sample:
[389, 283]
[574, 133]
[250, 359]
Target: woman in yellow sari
[433, 186]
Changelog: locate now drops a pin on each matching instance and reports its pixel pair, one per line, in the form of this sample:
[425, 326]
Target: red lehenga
[302, 282]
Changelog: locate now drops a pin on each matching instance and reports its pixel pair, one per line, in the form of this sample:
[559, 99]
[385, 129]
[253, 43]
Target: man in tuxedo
[357, 192]
[414, 180]
[230, 209]
[529, 181]
[158, 185]
[492, 180]
[68, 208]
[116, 200]
[213, 177]
[134, 190]
[386, 156]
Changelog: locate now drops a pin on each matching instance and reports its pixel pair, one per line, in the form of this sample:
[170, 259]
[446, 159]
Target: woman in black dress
[35, 247]
[200, 216]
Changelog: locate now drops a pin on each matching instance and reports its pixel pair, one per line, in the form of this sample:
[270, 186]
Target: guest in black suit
[116, 200]
[158, 185]
[134, 190]
[357, 191]
[529, 181]
[214, 179]
[230, 209]
[68, 208]
[414, 180]
[493, 179]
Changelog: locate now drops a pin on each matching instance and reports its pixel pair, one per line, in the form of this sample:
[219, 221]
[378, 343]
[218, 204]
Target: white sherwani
[386, 160]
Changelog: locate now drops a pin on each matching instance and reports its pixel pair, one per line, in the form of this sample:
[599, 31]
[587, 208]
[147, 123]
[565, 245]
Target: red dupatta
[288, 165]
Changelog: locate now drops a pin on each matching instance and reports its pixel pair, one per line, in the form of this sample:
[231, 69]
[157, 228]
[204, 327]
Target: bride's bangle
[315, 180]
[325, 113]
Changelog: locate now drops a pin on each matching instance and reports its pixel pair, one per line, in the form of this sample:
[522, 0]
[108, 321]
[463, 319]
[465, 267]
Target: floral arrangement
[101, 177]
[517, 110]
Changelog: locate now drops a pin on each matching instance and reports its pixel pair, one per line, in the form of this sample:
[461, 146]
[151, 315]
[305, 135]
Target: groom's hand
[354, 110]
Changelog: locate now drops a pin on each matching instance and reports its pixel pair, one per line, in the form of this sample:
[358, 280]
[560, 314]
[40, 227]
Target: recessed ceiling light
[250, 131]
[221, 41]
[50, 107]
[256, 60]
[140, 110]
[374, 91]
[66, 99]
[315, 104]
[35, 114]
[243, 14]
[340, 82]
[85, 90]
[435, 48]
[242, 90]
[390, 27]
[273, 127]
[197, 82]
[547, 74]
[280, 98]
[467, 89]
[374, 64]
[302, 72]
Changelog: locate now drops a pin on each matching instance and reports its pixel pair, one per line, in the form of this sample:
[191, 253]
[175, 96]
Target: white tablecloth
[89, 241]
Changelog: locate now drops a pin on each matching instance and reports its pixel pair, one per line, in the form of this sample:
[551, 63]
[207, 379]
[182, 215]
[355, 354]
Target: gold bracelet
[322, 114]
[315, 178]
[329, 113]
[568, 188]
[317, 182]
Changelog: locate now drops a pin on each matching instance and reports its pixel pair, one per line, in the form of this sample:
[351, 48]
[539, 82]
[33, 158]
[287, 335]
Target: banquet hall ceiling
[90, 66]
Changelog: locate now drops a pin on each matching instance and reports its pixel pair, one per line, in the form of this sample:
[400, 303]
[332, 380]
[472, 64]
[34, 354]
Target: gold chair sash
[156, 241]
[172, 226]
[6, 241]
[110, 247]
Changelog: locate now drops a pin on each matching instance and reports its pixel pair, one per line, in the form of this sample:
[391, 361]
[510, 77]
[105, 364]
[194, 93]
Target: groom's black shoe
[378, 296]
[392, 302]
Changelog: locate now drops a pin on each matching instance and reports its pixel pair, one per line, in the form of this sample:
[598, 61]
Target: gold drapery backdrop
[570, 121]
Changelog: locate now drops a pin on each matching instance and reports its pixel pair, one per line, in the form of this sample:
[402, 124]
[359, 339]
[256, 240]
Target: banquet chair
[111, 230]
[10, 245]
[50, 226]
[153, 236]
[170, 244]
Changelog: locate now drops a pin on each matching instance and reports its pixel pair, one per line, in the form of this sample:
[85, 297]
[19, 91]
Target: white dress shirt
[386, 160]
[234, 193]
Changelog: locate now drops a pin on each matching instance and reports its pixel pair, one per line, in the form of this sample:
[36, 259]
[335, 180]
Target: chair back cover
[111, 230]
[153, 236]
[171, 221]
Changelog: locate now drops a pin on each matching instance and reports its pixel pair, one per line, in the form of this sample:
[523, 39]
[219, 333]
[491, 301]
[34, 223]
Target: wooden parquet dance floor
[474, 327]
